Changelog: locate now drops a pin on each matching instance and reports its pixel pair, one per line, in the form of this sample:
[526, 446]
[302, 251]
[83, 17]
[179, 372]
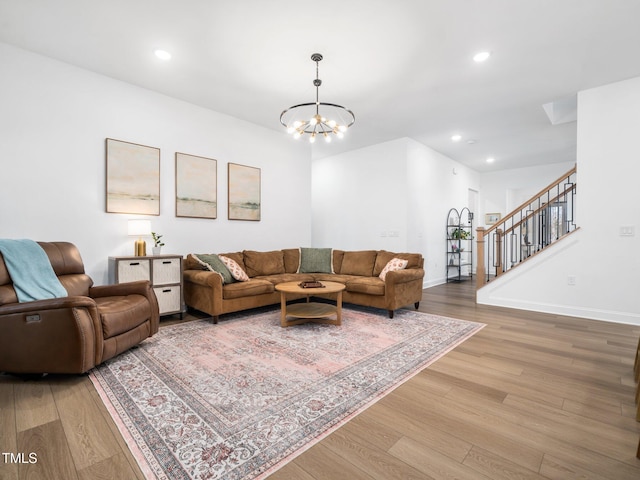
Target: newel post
[481, 274]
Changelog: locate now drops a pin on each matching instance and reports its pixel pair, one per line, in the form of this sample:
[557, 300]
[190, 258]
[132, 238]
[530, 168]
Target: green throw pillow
[213, 263]
[316, 260]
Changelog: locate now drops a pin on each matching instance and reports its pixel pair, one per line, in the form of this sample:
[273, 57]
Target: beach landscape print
[244, 192]
[133, 178]
[196, 186]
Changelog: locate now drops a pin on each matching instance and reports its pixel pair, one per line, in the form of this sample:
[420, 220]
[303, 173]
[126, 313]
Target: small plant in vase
[460, 234]
[157, 243]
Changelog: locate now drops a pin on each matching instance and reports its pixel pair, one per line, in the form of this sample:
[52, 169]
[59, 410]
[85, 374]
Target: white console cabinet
[164, 272]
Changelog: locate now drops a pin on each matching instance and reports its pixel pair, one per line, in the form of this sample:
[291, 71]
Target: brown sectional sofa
[358, 270]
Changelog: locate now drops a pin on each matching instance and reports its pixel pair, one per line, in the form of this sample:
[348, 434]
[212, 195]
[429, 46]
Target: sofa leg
[390, 313]
[417, 304]
[215, 319]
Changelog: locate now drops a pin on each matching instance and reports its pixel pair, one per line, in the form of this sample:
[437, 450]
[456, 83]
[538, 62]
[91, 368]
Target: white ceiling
[404, 66]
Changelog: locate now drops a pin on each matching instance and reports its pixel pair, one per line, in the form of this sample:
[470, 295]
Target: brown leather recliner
[75, 333]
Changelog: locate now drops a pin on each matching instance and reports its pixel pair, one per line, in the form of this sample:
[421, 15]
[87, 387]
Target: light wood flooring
[530, 396]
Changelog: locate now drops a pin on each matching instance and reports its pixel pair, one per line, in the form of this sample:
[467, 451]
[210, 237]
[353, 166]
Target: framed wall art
[243, 192]
[196, 186]
[491, 218]
[133, 178]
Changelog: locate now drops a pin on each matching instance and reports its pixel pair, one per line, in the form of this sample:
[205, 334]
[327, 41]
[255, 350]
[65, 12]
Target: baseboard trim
[567, 310]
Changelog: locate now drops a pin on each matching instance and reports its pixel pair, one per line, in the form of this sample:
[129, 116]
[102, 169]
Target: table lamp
[139, 228]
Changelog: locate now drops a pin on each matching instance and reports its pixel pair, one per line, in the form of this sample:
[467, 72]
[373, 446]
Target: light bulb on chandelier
[335, 119]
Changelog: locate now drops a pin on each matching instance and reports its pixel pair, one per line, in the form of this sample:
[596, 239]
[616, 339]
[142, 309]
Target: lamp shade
[139, 228]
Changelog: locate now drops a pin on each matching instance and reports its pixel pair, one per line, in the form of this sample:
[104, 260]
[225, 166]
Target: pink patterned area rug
[239, 399]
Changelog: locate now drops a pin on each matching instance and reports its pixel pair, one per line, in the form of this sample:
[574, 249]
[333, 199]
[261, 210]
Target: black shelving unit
[459, 245]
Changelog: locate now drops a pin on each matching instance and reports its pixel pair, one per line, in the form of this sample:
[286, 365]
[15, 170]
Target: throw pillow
[394, 264]
[316, 260]
[214, 263]
[236, 271]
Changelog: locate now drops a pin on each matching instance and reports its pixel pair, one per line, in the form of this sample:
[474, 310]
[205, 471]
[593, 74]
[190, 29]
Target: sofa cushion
[338, 256]
[415, 259]
[334, 277]
[366, 285]
[358, 263]
[382, 259]
[236, 270]
[263, 263]
[120, 314]
[247, 289]
[287, 277]
[291, 259]
[213, 263]
[316, 260]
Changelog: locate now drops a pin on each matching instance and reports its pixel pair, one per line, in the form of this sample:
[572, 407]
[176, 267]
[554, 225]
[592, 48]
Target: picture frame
[132, 178]
[196, 186]
[492, 218]
[244, 201]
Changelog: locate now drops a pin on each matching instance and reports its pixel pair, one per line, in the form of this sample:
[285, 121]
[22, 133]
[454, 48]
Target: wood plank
[499, 382]
[372, 432]
[292, 471]
[424, 433]
[110, 468]
[572, 467]
[496, 467]
[431, 463]
[88, 435]
[576, 430]
[486, 362]
[8, 433]
[49, 444]
[323, 463]
[487, 431]
[600, 411]
[34, 404]
[371, 460]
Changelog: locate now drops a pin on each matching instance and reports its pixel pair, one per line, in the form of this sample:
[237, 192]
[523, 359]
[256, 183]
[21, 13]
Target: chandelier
[305, 118]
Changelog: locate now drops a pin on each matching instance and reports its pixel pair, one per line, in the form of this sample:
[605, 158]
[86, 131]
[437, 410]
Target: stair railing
[527, 230]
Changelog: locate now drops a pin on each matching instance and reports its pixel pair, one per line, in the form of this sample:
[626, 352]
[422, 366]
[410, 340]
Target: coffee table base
[310, 311]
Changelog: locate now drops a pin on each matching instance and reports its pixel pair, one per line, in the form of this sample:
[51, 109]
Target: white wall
[605, 264]
[357, 197]
[361, 199]
[53, 126]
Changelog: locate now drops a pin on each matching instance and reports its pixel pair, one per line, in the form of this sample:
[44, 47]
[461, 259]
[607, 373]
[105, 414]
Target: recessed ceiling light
[471, 141]
[490, 159]
[481, 56]
[162, 54]
[456, 138]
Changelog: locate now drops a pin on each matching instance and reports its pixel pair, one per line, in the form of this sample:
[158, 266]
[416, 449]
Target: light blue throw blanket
[30, 270]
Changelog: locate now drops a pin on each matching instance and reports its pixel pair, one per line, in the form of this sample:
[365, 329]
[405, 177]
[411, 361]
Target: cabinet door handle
[166, 290]
[134, 263]
[166, 262]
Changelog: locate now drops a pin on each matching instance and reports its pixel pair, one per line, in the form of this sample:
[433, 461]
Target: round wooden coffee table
[310, 311]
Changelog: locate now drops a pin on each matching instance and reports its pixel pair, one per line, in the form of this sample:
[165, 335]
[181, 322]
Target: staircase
[527, 230]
